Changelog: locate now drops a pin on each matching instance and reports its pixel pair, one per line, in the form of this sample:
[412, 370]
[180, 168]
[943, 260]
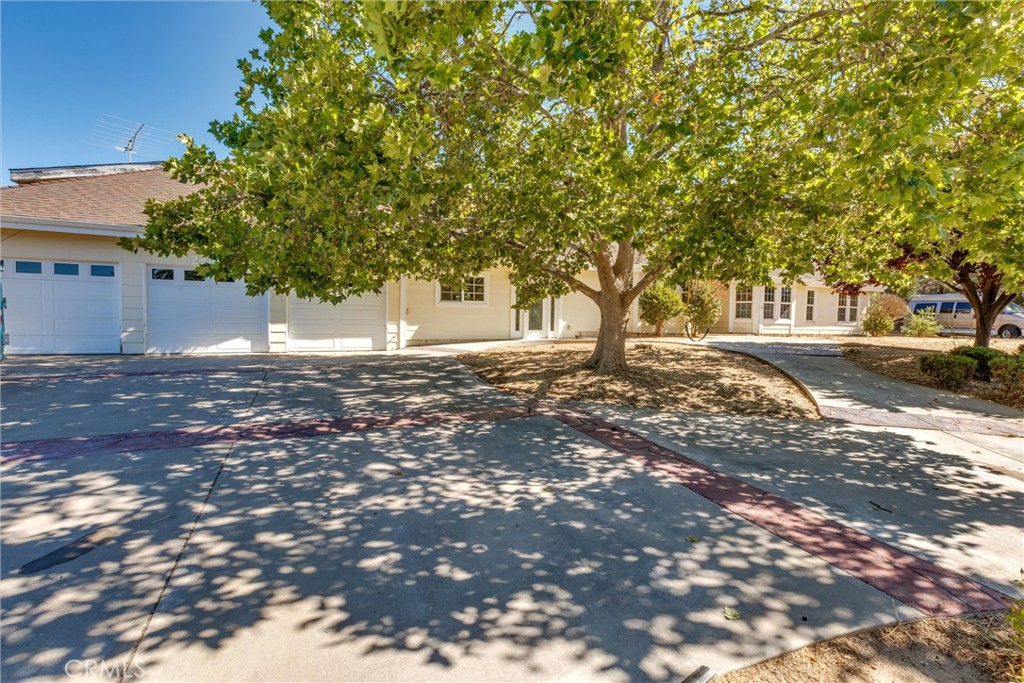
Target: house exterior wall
[429, 320]
[580, 315]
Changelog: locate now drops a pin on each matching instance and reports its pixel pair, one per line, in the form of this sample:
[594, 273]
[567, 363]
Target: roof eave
[8, 221]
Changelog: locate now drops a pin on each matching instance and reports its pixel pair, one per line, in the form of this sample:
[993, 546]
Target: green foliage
[922, 324]
[983, 356]
[702, 306]
[876, 322]
[659, 303]
[1009, 371]
[437, 139]
[950, 372]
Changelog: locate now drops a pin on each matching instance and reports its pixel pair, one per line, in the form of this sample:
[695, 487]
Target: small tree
[922, 324]
[701, 305]
[876, 321]
[659, 303]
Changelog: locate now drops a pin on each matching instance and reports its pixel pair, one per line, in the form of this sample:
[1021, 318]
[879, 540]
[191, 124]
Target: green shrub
[982, 356]
[876, 322]
[702, 306]
[1009, 371]
[950, 372]
[922, 324]
[659, 303]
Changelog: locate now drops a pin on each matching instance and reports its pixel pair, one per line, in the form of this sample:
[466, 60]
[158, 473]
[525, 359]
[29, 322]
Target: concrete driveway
[389, 517]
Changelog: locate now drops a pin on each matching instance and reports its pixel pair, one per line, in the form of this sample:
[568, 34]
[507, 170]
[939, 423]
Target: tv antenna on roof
[131, 137]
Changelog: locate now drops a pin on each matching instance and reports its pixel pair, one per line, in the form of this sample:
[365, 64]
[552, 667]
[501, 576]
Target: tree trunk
[609, 357]
[658, 329]
[988, 301]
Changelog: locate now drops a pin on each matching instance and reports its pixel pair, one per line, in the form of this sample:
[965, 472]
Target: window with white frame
[768, 308]
[744, 302]
[473, 290]
[809, 309]
[847, 308]
[786, 303]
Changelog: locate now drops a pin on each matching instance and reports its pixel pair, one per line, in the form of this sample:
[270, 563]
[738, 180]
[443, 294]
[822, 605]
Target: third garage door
[187, 313]
[357, 324]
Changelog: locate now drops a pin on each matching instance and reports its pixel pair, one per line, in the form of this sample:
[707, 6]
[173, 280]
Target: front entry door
[537, 321]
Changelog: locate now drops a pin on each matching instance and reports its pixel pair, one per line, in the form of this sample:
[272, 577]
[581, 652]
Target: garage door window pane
[193, 276]
[101, 271]
[65, 269]
[29, 267]
[163, 274]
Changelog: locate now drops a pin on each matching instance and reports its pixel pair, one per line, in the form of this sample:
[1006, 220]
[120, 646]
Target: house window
[101, 271]
[193, 276]
[65, 269]
[472, 291]
[163, 274]
[744, 303]
[768, 313]
[786, 303]
[28, 267]
[809, 310]
[847, 308]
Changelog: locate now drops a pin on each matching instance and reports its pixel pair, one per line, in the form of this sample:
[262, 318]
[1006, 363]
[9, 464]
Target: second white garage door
[357, 324]
[188, 314]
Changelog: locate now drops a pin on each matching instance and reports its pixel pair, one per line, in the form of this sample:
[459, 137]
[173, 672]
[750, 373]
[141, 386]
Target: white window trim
[487, 294]
[736, 302]
[848, 307]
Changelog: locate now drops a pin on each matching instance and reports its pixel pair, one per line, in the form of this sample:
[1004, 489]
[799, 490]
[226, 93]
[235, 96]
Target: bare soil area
[974, 649]
[661, 376]
[898, 357]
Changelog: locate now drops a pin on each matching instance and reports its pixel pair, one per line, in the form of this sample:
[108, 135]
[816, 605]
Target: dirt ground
[897, 356]
[958, 650]
[661, 376]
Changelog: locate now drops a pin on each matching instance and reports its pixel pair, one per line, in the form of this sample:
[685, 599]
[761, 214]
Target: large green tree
[916, 157]
[434, 140]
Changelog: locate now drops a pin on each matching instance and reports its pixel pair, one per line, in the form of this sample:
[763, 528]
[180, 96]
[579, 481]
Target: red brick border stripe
[111, 444]
[911, 580]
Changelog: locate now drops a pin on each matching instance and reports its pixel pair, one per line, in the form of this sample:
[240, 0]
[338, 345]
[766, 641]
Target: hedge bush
[876, 322]
[984, 358]
[949, 372]
[922, 324]
[1009, 371]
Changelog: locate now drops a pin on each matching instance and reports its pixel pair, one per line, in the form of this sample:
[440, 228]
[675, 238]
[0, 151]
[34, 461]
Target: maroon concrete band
[913, 581]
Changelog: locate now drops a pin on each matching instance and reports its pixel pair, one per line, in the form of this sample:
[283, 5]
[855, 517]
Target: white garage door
[357, 324]
[186, 313]
[62, 306]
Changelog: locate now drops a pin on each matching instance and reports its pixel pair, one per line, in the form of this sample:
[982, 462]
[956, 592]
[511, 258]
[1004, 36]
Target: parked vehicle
[956, 315]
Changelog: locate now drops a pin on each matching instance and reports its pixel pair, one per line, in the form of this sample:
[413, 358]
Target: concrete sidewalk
[847, 393]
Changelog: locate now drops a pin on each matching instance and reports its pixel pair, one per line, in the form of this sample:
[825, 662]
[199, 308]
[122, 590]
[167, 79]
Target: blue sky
[66, 68]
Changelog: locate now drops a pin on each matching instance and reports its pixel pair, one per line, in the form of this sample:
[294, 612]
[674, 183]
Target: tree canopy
[437, 139]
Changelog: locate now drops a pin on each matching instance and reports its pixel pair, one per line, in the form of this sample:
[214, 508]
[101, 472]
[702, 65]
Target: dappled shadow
[664, 376]
[515, 549]
[928, 494]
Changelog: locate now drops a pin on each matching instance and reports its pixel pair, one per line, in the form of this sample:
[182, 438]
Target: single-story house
[71, 289]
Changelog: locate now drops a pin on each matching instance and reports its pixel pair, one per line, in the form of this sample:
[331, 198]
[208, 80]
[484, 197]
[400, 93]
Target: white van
[955, 314]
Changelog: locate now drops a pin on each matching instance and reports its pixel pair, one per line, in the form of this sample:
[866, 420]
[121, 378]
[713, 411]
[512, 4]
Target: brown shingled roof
[116, 199]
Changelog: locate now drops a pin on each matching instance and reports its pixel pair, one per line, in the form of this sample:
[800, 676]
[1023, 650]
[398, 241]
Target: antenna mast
[130, 147]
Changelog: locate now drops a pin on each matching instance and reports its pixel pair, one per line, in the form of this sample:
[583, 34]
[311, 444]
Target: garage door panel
[51, 312]
[358, 324]
[203, 316]
[85, 309]
[88, 327]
